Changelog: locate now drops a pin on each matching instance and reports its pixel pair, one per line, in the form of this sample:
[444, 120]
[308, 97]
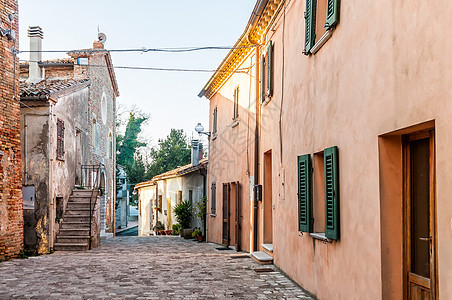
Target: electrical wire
[142, 50]
[242, 70]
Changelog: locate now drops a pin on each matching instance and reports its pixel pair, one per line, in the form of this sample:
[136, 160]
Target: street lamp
[200, 129]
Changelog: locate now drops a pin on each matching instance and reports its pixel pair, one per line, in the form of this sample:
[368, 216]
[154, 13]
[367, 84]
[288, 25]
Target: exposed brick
[11, 213]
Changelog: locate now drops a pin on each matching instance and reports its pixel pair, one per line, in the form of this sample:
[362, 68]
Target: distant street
[129, 232]
[144, 268]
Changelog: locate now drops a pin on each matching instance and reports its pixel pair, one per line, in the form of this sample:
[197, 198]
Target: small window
[213, 206]
[160, 204]
[190, 197]
[266, 74]
[60, 139]
[215, 120]
[179, 197]
[321, 17]
[318, 194]
[236, 103]
[110, 146]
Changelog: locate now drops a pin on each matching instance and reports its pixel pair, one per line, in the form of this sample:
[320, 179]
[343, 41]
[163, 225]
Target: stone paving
[144, 268]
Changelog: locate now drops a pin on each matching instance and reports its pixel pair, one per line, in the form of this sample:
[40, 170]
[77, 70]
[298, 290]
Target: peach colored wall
[386, 67]
[232, 151]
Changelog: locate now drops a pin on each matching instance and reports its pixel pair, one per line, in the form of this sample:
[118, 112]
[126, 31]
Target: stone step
[77, 211]
[262, 257]
[74, 231]
[71, 246]
[79, 225]
[76, 205]
[268, 248]
[72, 239]
[83, 193]
[76, 218]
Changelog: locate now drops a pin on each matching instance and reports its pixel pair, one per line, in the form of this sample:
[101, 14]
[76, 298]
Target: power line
[242, 70]
[142, 50]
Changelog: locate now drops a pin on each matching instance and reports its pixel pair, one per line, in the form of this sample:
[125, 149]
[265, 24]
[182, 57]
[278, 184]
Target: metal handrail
[95, 186]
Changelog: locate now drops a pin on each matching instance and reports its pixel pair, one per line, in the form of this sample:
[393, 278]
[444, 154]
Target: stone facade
[80, 93]
[11, 220]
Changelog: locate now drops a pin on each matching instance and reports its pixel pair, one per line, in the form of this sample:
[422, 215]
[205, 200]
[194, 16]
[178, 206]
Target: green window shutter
[262, 79]
[332, 13]
[304, 193]
[270, 69]
[310, 25]
[331, 161]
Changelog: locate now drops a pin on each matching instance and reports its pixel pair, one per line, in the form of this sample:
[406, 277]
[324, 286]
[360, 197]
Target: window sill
[214, 136]
[320, 236]
[213, 215]
[235, 123]
[326, 36]
[267, 100]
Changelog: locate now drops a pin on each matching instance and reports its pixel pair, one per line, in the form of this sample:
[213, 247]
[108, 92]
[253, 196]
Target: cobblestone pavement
[144, 268]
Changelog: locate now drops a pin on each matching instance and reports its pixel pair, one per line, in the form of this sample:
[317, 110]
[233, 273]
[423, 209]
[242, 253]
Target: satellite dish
[102, 37]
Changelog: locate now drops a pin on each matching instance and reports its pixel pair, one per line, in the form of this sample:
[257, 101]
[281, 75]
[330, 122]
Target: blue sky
[170, 98]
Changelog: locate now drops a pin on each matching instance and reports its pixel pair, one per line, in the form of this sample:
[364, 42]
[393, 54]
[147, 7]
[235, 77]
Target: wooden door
[226, 213]
[420, 216]
[237, 216]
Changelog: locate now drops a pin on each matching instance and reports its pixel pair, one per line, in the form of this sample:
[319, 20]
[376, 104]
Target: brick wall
[11, 214]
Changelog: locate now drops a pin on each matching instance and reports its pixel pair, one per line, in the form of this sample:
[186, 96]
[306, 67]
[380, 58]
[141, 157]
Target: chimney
[36, 35]
[200, 151]
[194, 152]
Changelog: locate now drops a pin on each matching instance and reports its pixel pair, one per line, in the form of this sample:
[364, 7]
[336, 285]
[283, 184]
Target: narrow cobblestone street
[144, 268]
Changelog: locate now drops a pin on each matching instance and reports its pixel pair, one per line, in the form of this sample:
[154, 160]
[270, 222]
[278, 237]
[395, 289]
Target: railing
[91, 180]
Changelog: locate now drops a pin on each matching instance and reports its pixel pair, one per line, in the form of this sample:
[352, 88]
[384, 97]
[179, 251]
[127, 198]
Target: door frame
[408, 277]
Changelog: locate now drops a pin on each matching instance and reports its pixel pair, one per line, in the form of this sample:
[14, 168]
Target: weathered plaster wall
[231, 152]
[51, 177]
[193, 182]
[102, 109]
[11, 214]
[146, 198]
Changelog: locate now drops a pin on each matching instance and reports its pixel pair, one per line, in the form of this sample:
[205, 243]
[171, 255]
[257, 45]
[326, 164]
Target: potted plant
[200, 212]
[176, 229]
[183, 217]
[197, 235]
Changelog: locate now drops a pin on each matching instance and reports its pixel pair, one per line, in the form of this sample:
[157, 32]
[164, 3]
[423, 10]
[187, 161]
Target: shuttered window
[262, 80]
[332, 13]
[236, 103]
[213, 206]
[304, 193]
[215, 116]
[270, 69]
[331, 193]
[60, 140]
[310, 25]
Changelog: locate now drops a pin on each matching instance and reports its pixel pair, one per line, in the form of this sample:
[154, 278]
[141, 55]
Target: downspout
[256, 155]
[204, 195]
[258, 9]
[51, 196]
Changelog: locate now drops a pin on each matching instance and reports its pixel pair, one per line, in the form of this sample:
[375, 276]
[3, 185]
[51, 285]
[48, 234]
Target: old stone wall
[11, 218]
[102, 108]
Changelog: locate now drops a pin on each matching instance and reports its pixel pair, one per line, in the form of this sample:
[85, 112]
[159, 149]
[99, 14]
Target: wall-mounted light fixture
[9, 33]
[200, 129]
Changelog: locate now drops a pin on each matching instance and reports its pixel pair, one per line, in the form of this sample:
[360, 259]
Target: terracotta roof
[51, 87]
[175, 173]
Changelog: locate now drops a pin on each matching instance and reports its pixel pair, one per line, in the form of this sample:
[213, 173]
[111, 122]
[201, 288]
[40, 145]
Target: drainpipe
[203, 174]
[256, 154]
[51, 195]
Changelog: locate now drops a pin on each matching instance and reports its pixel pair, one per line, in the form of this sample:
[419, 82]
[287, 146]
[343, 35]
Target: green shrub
[183, 214]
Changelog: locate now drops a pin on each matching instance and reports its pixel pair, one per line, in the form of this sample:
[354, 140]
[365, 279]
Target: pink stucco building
[329, 146]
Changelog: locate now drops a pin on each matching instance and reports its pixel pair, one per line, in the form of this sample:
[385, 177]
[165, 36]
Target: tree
[128, 143]
[170, 153]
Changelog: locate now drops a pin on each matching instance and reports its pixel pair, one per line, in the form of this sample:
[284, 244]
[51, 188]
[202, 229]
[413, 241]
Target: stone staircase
[74, 232]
